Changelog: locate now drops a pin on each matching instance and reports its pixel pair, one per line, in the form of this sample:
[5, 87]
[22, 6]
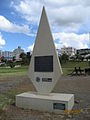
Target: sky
[69, 22]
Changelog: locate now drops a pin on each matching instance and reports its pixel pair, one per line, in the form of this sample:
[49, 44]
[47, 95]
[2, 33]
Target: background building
[83, 51]
[70, 51]
[9, 55]
[17, 52]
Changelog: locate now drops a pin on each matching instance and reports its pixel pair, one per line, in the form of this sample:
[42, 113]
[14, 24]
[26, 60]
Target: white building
[68, 50]
[10, 55]
[17, 52]
[83, 51]
[6, 54]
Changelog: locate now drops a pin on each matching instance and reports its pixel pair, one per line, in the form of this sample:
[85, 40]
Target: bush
[11, 64]
[2, 65]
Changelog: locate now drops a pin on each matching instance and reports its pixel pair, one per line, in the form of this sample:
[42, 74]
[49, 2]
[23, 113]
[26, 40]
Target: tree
[72, 58]
[28, 57]
[79, 57]
[14, 58]
[22, 55]
[3, 59]
[88, 59]
[64, 58]
[25, 58]
[11, 63]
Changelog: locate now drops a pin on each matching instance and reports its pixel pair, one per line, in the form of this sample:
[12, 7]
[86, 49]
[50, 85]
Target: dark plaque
[59, 106]
[43, 64]
[46, 79]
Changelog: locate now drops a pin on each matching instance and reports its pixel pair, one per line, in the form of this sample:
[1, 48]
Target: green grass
[13, 71]
[8, 98]
[3, 101]
[72, 64]
[66, 67]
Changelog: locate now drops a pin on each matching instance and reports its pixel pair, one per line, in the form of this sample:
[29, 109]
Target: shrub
[11, 64]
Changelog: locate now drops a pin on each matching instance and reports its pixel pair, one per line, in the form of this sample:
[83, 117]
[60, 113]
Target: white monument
[44, 72]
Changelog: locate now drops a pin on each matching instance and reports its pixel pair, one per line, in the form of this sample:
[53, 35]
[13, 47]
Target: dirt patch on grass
[11, 82]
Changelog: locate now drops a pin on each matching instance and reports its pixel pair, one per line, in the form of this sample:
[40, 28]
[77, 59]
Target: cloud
[2, 41]
[29, 9]
[30, 48]
[68, 40]
[7, 26]
[67, 19]
[66, 15]
[71, 40]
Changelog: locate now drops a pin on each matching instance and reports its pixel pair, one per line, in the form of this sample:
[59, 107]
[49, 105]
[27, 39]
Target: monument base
[54, 102]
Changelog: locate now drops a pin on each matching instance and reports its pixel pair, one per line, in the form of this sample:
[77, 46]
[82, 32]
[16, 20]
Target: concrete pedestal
[54, 102]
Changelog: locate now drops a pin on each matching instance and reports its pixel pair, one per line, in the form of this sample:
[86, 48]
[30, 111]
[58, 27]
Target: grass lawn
[66, 67]
[69, 66]
[13, 71]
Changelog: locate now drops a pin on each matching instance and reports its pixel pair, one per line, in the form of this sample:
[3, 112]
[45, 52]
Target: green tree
[64, 58]
[79, 57]
[25, 58]
[88, 59]
[3, 59]
[28, 57]
[11, 63]
[14, 58]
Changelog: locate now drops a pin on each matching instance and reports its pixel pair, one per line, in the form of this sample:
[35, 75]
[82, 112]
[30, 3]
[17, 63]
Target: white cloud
[66, 18]
[29, 9]
[68, 40]
[30, 48]
[7, 26]
[71, 40]
[2, 41]
[63, 14]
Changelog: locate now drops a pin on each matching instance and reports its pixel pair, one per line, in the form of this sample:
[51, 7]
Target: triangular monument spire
[44, 69]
